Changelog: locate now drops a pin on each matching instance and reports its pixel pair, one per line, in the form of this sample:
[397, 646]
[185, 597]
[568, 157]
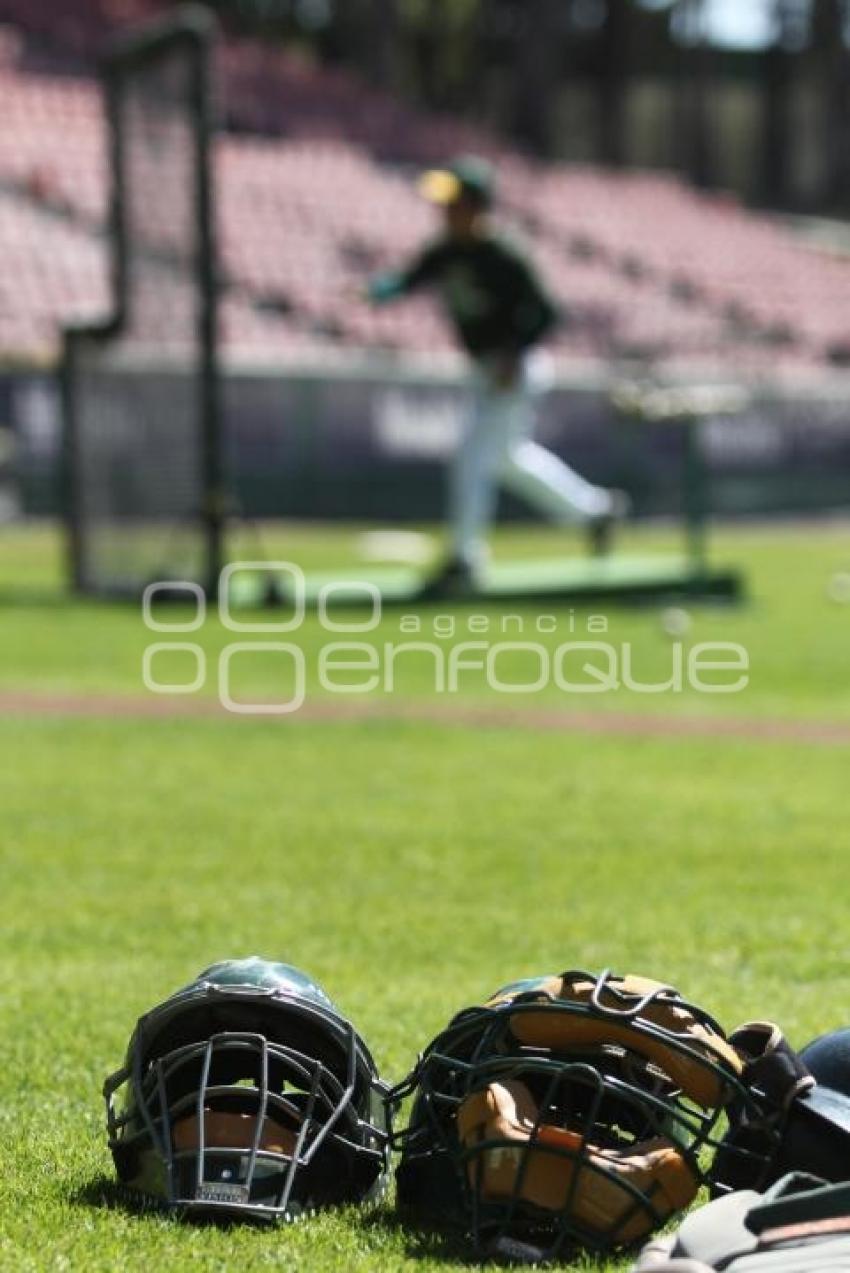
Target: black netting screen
[141, 390]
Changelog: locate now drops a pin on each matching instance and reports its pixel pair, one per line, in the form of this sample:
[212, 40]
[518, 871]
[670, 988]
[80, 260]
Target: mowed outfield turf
[413, 861]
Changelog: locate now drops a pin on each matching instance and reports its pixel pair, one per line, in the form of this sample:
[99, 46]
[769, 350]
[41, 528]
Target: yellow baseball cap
[466, 178]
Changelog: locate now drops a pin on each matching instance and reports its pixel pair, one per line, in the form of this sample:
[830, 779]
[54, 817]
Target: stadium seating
[318, 196]
[58, 270]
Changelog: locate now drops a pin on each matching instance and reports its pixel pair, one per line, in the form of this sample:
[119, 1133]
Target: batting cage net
[140, 390]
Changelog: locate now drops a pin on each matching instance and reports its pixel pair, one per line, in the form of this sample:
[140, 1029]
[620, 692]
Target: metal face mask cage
[633, 1118]
[245, 1124]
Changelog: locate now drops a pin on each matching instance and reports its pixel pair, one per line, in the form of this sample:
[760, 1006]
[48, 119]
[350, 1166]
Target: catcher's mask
[576, 1111]
[248, 1094]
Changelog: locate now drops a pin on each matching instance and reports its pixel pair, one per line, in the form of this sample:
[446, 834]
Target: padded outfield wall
[366, 438]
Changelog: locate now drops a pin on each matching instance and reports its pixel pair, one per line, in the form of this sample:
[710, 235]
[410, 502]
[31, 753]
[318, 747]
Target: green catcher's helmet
[248, 1093]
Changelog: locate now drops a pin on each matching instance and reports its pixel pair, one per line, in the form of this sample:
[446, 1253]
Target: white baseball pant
[496, 449]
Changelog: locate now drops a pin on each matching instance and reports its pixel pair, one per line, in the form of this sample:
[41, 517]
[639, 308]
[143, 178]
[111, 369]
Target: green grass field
[411, 864]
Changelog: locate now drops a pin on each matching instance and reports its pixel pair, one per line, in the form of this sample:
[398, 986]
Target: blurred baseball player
[500, 312]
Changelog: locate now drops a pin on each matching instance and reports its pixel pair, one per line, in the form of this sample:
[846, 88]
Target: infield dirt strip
[22, 703]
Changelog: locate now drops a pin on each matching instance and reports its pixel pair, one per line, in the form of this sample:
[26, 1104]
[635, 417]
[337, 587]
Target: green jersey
[489, 288]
